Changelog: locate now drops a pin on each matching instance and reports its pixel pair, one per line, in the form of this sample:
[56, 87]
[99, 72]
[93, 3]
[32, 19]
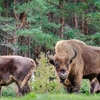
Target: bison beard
[16, 69]
[73, 61]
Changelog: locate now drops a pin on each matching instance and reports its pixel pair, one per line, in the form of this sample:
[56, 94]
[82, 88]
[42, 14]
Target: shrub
[85, 88]
[8, 91]
[45, 78]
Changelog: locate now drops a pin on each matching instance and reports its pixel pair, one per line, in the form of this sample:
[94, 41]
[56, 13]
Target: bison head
[62, 64]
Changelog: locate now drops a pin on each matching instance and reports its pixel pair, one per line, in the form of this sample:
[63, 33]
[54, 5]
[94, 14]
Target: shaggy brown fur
[95, 86]
[73, 67]
[16, 69]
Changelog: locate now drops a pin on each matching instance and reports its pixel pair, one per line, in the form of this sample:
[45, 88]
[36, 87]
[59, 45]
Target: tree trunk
[75, 18]
[83, 24]
[50, 17]
[61, 27]
[86, 23]
[61, 19]
[76, 21]
[87, 30]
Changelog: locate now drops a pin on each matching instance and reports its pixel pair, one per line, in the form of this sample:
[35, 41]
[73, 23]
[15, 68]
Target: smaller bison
[16, 69]
[94, 86]
[75, 60]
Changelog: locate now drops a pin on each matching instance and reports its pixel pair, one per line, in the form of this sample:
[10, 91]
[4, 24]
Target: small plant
[45, 79]
[85, 88]
[8, 92]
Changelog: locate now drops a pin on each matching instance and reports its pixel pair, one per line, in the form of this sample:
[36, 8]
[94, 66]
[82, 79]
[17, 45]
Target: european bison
[74, 60]
[16, 69]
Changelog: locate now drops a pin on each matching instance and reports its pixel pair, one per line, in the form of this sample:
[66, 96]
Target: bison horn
[49, 56]
[75, 54]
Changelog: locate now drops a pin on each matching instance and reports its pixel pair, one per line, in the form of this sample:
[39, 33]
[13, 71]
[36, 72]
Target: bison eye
[56, 65]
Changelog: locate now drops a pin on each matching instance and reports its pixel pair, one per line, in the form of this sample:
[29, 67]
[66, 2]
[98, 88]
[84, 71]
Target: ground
[33, 96]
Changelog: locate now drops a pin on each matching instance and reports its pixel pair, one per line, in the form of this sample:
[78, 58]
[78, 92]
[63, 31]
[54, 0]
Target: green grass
[32, 96]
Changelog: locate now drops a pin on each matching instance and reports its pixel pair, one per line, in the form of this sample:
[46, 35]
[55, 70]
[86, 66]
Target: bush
[45, 78]
[85, 88]
[8, 91]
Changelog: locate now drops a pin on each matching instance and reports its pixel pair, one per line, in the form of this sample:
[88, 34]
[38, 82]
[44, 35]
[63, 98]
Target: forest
[30, 28]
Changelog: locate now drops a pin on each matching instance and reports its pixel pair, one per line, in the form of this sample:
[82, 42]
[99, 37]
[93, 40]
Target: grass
[32, 96]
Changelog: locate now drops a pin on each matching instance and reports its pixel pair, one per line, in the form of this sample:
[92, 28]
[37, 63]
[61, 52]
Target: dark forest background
[29, 27]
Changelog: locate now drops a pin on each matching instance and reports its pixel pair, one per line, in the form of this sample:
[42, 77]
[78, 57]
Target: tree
[27, 29]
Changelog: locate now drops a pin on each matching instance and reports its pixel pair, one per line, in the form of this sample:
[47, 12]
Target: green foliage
[92, 20]
[39, 37]
[40, 29]
[78, 8]
[92, 39]
[30, 7]
[45, 30]
[45, 80]
[50, 25]
[71, 33]
[0, 9]
[8, 92]
[23, 48]
[97, 4]
[85, 88]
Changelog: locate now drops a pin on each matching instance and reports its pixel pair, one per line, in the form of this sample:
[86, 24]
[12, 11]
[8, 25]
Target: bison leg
[73, 86]
[94, 86]
[73, 89]
[24, 90]
[77, 81]
[68, 86]
[76, 88]
[19, 90]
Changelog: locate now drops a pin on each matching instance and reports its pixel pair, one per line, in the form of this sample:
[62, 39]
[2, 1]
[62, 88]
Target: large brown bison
[74, 60]
[16, 69]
